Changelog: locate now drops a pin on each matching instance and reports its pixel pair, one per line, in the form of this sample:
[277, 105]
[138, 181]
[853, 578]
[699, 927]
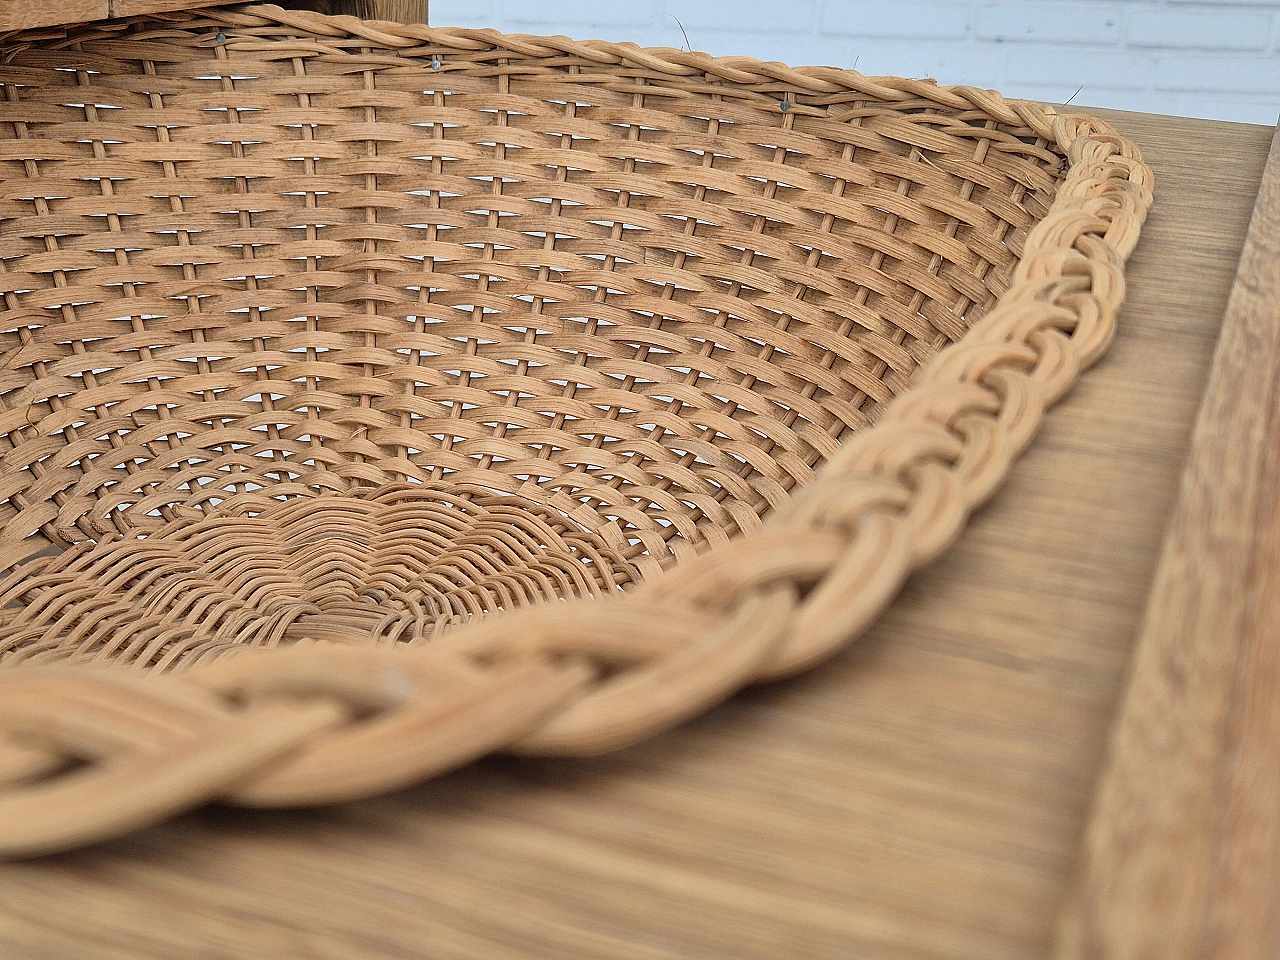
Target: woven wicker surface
[333, 336]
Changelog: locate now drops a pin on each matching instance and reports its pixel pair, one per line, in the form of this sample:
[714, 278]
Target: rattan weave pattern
[335, 335]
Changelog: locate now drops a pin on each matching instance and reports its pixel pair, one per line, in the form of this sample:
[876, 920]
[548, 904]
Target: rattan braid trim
[90, 751]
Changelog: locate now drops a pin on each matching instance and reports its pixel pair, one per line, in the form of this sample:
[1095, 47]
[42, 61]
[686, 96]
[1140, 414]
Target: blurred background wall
[1207, 58]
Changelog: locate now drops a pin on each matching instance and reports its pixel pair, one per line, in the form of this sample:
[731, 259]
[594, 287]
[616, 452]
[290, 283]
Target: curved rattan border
[317, 723]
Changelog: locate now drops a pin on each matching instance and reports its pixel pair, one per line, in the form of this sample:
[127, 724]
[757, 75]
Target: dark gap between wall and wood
[401, 11]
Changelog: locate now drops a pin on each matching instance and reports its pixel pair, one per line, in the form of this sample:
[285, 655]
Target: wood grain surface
[19, 14]
[1182, 854]
[129, 8]
[921, 796]
[401, 11]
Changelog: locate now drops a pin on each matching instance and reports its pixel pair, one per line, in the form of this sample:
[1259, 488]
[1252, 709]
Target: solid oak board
[129, 8]
[1182, 855]
[20, 14]
[920, 797]
[399, 11]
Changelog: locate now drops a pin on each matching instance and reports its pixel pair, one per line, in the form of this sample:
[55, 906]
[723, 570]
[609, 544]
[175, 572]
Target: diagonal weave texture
[375, 344]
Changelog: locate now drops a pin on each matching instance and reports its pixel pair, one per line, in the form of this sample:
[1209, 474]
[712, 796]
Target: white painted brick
[1051, 22]
[1203, 57]
[948, 63]
[641, 36]
[788, 16]
[1098, 70]
[662, 31]
[463, 13]
[1218, 108]
[1222, 3]
[1084, 100]
[1219, 74]
[1141, 101]
[1215, 30]
[584, 12]
[791, 49]
[904, 19]
[1043, 92]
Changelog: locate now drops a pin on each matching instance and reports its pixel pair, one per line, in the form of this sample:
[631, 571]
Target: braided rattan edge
[316, 723]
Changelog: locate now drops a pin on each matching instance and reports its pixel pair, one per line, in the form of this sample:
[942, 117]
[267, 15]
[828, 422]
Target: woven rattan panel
[270, 267]
[319, 331]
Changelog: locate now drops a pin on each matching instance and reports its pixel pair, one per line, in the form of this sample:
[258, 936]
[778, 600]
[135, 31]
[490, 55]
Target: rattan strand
[520, 393]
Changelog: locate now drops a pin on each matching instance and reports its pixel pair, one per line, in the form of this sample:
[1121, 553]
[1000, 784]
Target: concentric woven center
[398, 564]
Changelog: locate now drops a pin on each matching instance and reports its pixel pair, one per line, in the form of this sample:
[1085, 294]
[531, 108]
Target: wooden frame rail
[20, 14]
[1181, 858]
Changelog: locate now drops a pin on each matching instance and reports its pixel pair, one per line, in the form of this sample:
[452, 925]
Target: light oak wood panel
[1182, 855]
[922, 796]
[130, 8]
[19, 14]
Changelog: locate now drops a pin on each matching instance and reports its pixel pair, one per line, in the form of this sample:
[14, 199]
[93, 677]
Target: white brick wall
[1202, 58]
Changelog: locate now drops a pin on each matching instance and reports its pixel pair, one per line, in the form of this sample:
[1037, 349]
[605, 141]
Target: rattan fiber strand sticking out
[519, 393]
